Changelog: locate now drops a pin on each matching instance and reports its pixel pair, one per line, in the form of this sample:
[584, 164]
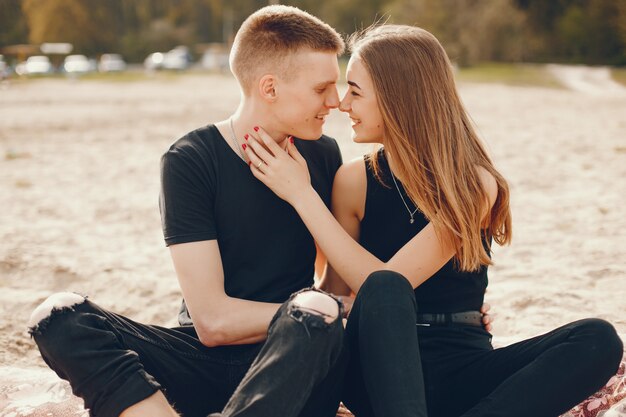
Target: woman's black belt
[468, 318]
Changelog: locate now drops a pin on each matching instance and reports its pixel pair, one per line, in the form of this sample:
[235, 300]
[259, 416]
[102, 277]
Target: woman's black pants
[399, 369]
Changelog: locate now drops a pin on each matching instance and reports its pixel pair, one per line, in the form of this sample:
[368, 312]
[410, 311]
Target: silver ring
[259, 166]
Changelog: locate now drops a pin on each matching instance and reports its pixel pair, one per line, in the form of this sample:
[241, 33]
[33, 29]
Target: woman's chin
[358, 139]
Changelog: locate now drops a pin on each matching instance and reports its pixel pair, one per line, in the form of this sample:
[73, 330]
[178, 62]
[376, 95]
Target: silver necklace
[234, 137]
[393, 177]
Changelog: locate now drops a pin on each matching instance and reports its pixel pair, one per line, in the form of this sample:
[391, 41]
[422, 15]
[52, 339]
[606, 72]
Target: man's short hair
[269, 35]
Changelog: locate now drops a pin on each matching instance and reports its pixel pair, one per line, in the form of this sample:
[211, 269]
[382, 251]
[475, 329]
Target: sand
[79, 172]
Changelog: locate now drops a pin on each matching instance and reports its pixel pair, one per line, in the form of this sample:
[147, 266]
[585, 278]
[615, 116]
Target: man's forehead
[307, 55]
[319, 67]
[325, 83]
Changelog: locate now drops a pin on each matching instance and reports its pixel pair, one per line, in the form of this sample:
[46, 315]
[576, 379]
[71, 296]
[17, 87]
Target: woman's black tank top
[386, 228]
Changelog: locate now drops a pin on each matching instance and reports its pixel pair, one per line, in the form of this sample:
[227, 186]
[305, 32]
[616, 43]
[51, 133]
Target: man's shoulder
[197, 142]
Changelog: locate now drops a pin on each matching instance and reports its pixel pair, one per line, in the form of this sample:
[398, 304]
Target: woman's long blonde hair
[432, 144]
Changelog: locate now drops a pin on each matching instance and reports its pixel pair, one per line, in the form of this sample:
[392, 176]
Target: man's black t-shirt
[208, 192]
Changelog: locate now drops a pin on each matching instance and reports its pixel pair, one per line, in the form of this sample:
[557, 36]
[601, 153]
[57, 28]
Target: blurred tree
[621, 22]
[470, 30]
[238, 11]
[91, 26]
[572, 31]
[348, 16]
[145, 29]
[605, 44]
[13, 26]
[589, 31]
[542, 14]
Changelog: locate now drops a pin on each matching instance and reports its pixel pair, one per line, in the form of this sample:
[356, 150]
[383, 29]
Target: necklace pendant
[411, 221]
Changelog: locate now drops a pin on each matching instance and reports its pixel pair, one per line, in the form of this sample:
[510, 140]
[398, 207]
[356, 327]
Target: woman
[426, 206]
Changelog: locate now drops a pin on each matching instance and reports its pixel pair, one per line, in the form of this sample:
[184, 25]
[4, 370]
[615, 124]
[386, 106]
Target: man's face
[306, 98]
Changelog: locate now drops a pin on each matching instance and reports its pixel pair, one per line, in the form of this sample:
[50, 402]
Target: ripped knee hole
[317, 303]
[58, 301]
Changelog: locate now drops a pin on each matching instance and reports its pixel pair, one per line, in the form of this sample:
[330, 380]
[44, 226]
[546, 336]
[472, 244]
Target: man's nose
[332, 101]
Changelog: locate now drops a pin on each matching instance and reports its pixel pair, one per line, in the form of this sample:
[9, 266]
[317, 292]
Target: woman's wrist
[304, 198]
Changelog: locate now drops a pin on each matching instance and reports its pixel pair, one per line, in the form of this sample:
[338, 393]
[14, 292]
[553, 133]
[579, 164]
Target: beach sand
[79, 168]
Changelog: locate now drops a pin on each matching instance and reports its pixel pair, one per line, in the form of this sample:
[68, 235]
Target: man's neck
[247, 117]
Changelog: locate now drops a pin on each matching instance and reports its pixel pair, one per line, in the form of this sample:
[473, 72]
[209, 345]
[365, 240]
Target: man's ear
[267, 87]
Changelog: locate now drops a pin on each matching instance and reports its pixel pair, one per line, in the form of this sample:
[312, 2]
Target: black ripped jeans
[113, 362]
[400, 369]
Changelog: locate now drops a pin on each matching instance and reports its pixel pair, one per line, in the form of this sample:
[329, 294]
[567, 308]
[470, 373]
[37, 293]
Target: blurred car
[35, 65]
[77, 64]
[154, 61]
[177, 59]
[111, 63]
[4, 69]
[214, 60]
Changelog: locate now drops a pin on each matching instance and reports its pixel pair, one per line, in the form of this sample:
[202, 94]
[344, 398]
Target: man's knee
[317, 302]
[57, 301]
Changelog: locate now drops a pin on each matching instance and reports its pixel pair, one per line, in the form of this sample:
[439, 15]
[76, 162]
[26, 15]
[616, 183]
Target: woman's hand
[284, 171]
[343, 411]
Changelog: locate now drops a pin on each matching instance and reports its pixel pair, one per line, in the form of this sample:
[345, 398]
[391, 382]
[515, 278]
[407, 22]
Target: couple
[255, 338]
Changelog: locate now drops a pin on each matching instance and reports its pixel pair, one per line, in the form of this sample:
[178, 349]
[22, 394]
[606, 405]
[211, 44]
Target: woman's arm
[419, 259]
[287, 175]
[347, 206]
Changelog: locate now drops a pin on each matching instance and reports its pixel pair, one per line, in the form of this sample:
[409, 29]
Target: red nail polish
[249, 163]
[245, 136]
[244, 146]
[291, 139]
[256, 128]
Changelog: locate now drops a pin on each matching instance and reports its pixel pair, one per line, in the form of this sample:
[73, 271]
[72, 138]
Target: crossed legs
[87, 346]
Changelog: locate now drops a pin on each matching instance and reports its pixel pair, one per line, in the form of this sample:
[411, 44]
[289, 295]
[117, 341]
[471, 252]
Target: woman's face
[361, 104]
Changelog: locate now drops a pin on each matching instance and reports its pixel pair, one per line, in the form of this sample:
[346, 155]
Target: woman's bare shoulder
[350, 187]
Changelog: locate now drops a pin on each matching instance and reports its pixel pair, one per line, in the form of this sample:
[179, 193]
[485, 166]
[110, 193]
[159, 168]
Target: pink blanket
[610, 401]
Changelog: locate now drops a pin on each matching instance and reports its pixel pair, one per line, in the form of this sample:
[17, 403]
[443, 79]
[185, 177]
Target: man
[239, 253]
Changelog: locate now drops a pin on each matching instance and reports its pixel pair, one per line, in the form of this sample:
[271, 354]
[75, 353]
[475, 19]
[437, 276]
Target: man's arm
[218, 318]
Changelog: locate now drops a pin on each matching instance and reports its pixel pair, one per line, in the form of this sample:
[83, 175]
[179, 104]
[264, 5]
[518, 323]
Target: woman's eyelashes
[353, 92]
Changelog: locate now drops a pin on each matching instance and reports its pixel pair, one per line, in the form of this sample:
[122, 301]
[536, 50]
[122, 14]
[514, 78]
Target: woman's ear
[267, 87]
